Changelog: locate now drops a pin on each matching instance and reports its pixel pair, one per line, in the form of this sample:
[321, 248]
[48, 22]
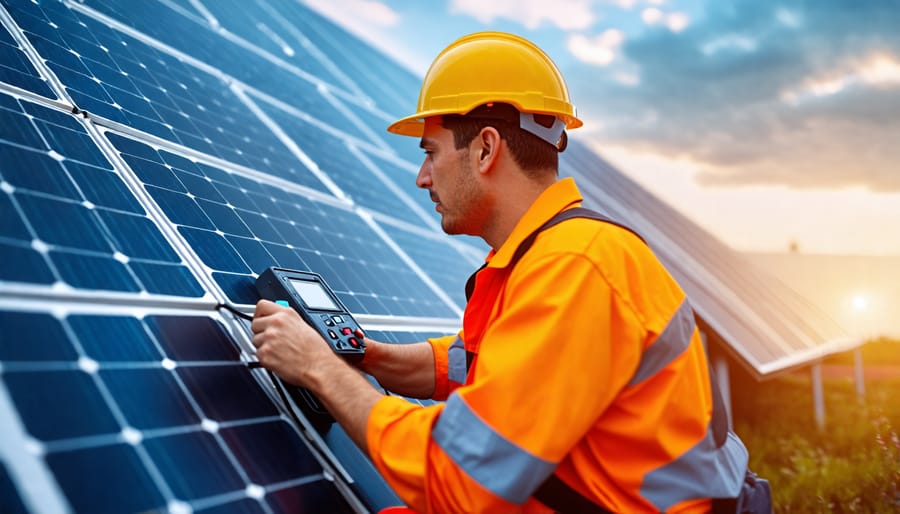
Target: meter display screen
[314, 295]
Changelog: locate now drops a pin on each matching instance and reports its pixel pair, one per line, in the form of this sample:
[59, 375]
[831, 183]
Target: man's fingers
[258, 339]
[265, 307]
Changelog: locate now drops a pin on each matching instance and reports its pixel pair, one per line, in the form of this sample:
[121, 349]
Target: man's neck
[512, 202]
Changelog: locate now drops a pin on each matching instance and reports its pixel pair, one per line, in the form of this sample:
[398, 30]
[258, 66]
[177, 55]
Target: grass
[853, 465]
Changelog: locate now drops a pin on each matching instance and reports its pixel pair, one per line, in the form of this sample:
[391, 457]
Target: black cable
[235, 311]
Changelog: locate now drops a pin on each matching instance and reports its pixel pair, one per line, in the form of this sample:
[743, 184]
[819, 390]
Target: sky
[774, 125]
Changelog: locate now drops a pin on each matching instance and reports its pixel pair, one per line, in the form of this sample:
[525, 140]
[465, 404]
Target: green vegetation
[853, 465]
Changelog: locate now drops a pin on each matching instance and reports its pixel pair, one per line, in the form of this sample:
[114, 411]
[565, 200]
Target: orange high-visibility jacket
[588, 364]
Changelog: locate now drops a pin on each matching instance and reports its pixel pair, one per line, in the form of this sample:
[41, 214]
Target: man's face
[451, 177]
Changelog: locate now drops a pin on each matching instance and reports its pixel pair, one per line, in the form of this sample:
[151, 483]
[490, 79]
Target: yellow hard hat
[487, 67]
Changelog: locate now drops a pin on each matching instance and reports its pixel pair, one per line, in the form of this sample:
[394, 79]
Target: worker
[578, 363]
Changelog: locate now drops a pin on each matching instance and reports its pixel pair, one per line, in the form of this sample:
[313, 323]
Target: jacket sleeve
[441, 348]
[550, 363]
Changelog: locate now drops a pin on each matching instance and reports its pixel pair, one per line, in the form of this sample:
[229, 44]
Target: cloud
[564, 14]
[757, 94]
[356, 14]
[600, 50]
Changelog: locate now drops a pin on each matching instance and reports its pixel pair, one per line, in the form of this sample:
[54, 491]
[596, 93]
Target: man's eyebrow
[425, 141]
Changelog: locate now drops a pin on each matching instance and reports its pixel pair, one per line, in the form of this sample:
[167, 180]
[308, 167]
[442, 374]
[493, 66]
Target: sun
[860, 302]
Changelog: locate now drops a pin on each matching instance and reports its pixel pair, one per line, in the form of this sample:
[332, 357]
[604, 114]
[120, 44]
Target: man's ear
[488, 147]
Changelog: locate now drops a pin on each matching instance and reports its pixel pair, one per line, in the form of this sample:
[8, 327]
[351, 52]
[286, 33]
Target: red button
[353, 342]
[346, 331]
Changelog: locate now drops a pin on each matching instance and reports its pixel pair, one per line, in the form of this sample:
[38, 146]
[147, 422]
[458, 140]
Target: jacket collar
[558, 197]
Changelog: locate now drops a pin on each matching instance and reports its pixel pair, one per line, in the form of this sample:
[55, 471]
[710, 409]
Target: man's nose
[423, 179]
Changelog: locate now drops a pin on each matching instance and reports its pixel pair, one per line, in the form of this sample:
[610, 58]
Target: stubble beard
[468, 205]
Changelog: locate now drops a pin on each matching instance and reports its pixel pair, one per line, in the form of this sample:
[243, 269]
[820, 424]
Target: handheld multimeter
[309, 295]
[317, 304]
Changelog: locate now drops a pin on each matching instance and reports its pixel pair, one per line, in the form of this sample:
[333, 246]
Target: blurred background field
[853, 465]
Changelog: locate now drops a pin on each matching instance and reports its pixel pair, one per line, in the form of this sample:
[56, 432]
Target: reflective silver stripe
[456, 361]
[498, 465]
[671, 343]
[703, 472]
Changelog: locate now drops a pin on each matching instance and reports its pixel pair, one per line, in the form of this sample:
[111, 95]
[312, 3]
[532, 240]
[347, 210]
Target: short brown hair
[530, 152]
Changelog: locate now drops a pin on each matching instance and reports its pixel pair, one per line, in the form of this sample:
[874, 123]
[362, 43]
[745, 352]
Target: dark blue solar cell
[238, 288]
[26, 336]
[103, 187]
[59, 404]
[181, 163]
[154, 173]
[36, 171]
[137, 236]
[270, 452]
[131, 103]
[9, 103]
[253, 253]
[167, 279]
[192, 338]
[194, 465]
[224, 218]
[63, 223]
[113, 338]
[149, 398]
[11, 224]
[238, 198]
[319, 496]
[180, 209]
[10, 502]
[24, 264]
[93, 272]
[215, 251]
[261, 227]
[285, 257]
[227, 393]
[199, 186]
[106, 479]
[292, 233]
[131, 147]
[17, 128]
[220, 176]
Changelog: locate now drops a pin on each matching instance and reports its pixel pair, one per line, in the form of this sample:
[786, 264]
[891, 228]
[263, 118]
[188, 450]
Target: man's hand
[292, 349]
[288, 346]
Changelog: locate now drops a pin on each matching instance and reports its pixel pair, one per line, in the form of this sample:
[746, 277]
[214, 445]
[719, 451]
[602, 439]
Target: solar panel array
[154, 158]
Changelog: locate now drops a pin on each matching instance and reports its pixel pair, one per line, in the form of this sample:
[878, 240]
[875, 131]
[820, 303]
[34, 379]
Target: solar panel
[160, 421]
[153, 160]
[68, 218]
